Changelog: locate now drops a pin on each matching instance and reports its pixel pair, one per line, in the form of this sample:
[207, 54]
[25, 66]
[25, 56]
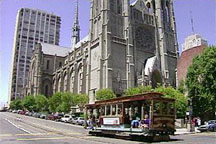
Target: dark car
[55, 117]
[209, 126]
[22, 112]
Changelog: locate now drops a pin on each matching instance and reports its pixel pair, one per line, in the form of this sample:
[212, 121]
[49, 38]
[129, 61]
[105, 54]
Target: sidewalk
[181, 131]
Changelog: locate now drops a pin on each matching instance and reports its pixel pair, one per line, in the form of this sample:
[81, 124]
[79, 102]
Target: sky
[203, 14]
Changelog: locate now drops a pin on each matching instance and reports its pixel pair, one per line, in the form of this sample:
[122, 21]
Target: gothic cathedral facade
[128, 45]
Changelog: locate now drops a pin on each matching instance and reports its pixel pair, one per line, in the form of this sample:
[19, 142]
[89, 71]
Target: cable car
[149, 114]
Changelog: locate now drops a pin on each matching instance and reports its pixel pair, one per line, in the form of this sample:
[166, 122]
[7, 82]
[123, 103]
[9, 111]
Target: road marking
[18, 126]
[50, 138]
[5, 135]
[35, 134]
[73, 133]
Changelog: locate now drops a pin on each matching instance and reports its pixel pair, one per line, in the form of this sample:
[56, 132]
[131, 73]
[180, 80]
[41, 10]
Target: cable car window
[171, 109]
[119, 109]
[164, 108]
[103, 110]
[108, 112]
[156, 109]
[113, 109]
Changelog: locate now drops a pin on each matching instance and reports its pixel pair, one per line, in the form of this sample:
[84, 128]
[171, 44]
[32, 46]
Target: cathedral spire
[76, 28]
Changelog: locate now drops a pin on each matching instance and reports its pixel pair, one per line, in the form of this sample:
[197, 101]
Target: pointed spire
[76, 28]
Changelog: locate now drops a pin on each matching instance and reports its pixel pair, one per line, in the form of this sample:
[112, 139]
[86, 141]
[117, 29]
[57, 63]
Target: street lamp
[190, 114]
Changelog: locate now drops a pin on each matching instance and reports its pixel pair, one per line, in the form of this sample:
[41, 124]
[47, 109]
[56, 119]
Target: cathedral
[128, 44]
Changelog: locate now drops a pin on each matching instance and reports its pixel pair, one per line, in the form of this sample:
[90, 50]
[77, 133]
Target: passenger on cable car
[145, 122]
[136, 120]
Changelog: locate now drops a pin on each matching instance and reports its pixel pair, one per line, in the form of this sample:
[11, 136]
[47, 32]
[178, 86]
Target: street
[20, 129]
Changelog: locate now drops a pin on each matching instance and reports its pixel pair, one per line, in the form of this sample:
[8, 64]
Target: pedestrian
[198, 121]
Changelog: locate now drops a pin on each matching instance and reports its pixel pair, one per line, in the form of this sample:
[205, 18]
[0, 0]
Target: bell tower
[108, 62]
[167, 40]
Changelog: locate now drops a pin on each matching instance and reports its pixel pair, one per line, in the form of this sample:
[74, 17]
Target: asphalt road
[19, 129]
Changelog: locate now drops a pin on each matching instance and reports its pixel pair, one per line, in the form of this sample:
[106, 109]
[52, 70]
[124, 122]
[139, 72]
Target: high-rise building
[32, 26]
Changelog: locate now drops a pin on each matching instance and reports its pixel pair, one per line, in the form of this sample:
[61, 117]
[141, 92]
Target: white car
[80, 121]
[66, 118]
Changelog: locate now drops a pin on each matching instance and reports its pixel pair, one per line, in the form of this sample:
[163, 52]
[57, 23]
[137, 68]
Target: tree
[138, 90]
[66, 102]
[16, 104]
[104, 94]
[181, 100]
[41, 103]
[29, 103]
[181, 87]
[55, 101]
[201, 83]
[80, 100]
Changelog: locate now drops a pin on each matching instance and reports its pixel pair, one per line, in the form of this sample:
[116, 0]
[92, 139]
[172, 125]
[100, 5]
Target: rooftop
[51, 49]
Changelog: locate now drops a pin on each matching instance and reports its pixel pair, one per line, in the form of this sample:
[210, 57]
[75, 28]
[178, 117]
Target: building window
[46, 90]
[47, 64]
[60, 64]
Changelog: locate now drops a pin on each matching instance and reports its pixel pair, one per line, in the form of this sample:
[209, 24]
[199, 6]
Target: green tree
[181, 87]
[201, 83]
[55, 101]
[29, 103]
[80, 100]
[16, 104]
[66, 102]
[138, 90]
[41, 103]
[104, 94]
[181, 100]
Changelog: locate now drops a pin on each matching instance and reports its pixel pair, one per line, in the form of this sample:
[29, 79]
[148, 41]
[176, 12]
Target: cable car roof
[138, 97]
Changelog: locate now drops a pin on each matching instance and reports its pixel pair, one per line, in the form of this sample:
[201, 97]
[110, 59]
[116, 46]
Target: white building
[32, 26]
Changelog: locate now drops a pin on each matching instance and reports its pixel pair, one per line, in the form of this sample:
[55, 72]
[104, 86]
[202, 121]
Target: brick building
[192, 47]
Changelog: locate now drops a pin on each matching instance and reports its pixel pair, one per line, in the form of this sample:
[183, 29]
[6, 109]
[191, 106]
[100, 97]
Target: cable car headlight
[164, 125]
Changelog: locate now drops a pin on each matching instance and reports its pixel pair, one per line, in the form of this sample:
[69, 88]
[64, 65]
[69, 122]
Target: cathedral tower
[76, 28]
[108, 60]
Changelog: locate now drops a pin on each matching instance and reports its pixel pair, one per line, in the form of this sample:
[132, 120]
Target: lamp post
[190, 114]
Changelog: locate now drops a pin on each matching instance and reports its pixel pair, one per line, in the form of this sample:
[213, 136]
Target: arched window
[72, 80]
[65, 82]
[79, 80]
[167, 12]
[47, 64]
[46, 90]
[59, 84]
[119, 7]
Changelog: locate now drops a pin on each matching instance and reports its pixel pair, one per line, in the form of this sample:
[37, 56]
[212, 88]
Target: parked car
[209, 126]
[29, 114]
[36, 115]
[19, 111]
[22, 112]
[14, 111]
[55, 117]
[66, 118]
[43, 116]
[78, 120]
[81, 121]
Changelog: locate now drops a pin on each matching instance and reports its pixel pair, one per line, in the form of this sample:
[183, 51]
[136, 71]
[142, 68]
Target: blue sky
[203, 13]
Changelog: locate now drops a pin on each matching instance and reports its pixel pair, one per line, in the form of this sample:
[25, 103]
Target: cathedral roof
[51, 49]
[133, 3]
[84, 40]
